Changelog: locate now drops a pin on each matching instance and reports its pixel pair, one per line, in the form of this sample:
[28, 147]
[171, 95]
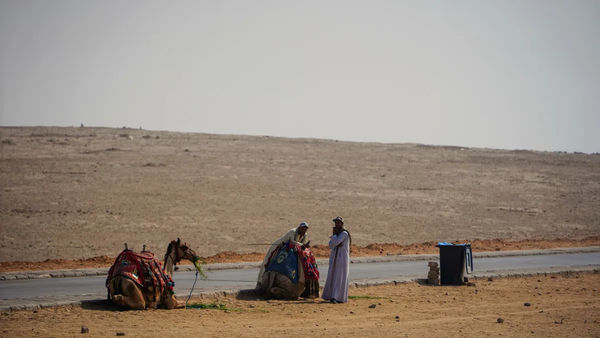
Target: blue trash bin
[455, 260]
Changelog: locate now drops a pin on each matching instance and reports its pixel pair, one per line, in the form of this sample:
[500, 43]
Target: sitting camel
[291, 272]
[138, 281]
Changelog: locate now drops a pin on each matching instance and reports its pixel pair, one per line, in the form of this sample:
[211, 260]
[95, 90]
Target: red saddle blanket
[142, 268]
[309, 264]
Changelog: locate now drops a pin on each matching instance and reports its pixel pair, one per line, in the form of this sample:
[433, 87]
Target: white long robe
[291, 235]
[336, 285]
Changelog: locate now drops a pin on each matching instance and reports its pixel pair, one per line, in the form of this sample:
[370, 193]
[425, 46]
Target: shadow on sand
[252, 295]
[100, 305]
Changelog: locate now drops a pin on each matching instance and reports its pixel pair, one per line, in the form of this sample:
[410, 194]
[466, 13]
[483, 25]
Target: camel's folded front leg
[129, 294]
[171, 302]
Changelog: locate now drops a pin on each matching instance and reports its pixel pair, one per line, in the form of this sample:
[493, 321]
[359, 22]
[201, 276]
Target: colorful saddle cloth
[309, 264]
[285, 260]
[142, 268]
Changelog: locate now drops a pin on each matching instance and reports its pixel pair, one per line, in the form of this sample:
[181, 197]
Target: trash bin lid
[451, 244]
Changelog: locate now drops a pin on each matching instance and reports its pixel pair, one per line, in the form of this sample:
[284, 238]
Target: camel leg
[152, 297]
[277, 292]
[178, 304]
[124, 292]
[171, 302]
[281, 287]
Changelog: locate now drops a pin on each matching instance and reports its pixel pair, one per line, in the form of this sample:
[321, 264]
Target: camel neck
[169, 262]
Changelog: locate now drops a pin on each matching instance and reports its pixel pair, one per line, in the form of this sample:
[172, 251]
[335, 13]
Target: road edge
[68, 273]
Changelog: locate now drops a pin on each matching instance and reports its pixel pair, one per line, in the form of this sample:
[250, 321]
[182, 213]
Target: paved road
[55, 291]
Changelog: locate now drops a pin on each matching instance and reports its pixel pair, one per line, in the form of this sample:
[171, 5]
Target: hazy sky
[521, 74]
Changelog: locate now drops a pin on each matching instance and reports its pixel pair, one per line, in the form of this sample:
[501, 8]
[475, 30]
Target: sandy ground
[79, 193]
[561, 305]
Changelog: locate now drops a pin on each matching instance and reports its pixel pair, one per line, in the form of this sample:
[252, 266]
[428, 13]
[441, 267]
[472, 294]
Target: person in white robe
[336, 285]
[297, 235]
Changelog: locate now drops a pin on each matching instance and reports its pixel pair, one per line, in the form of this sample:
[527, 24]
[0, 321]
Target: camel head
[176, 251]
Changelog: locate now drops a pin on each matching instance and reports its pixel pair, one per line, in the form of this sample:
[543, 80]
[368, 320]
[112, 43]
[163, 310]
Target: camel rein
[192, 290]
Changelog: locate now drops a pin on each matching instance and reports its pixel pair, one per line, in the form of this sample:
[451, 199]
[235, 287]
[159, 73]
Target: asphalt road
[30, 293]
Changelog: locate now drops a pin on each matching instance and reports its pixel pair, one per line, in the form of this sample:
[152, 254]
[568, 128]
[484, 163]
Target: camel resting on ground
[292, 272]
[138, 281]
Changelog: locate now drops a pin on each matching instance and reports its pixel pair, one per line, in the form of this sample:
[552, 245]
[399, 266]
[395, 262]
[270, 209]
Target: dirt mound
[234, 257]
[320, 251]
[57, 264]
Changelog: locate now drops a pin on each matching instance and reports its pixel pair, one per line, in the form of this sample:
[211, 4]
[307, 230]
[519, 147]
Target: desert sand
[70, 197]
[79, 193]
[561, 305]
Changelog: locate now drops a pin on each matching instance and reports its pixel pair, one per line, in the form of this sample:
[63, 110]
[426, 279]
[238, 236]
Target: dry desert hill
[83, 192]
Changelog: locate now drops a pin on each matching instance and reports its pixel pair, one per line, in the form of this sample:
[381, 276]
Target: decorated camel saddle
[291, 272]
[143, 268]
